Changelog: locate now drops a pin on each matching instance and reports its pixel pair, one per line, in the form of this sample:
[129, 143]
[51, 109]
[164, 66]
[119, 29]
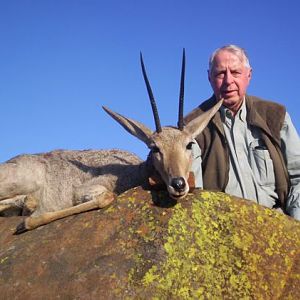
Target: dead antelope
[57, 184]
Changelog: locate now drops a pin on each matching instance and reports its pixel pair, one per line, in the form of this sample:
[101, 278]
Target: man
[250, 148]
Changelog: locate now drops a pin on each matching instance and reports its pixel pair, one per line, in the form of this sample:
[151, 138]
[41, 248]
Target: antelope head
[170, 147]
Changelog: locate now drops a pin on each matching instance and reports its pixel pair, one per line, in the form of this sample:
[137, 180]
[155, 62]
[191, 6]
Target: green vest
[268, 117]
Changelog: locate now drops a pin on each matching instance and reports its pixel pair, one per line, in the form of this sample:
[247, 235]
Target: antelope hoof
[106, 199]
[21, 228]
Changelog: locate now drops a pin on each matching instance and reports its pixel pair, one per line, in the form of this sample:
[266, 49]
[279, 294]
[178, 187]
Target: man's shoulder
[265, 114]
[264, 104]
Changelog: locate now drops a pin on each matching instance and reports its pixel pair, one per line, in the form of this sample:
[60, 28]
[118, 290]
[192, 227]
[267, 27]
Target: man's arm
[197, 165]
[291, 151]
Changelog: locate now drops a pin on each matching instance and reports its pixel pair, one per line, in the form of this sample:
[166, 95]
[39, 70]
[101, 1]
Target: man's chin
[232, 103]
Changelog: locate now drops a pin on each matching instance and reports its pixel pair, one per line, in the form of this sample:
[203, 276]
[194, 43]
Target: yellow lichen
[2, 260]
[211, 255]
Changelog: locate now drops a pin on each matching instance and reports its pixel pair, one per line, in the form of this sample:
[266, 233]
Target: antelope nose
[178, 183]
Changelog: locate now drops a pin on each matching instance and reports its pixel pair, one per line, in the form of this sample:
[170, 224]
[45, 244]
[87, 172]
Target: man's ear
[250, 74]
[208, 75]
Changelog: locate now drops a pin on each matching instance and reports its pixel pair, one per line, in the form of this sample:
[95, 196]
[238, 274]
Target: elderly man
[250, 148]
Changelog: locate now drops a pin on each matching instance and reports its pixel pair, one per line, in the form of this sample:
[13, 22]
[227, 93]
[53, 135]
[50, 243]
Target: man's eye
[236, 73]
[189, 146]
[220, 75]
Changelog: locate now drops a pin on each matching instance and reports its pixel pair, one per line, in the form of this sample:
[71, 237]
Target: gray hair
[236, 50]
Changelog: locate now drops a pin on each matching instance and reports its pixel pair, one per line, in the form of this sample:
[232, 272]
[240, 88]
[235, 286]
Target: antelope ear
[196, 126]
[135, 128]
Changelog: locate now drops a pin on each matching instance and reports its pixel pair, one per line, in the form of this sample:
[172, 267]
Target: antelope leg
[30, 223]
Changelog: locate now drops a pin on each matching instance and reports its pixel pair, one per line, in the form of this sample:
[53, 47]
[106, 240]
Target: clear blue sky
[60, 60]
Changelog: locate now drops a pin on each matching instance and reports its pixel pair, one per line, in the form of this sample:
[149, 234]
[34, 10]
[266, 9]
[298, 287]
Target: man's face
[229, 79]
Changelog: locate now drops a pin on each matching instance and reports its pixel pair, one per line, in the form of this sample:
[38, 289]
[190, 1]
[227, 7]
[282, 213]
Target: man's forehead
[224, 60]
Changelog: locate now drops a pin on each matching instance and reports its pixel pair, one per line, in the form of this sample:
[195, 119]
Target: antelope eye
[189, 146]
[155, 149]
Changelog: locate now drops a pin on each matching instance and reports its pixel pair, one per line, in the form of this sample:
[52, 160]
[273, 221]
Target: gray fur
[59, 179]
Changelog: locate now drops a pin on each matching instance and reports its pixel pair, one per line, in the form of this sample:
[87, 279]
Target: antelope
[49, 186]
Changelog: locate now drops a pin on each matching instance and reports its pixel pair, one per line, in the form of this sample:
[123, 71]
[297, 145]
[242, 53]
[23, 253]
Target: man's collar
[242, 112]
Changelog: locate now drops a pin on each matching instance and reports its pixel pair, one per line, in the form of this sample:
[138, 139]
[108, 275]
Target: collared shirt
[251, 172]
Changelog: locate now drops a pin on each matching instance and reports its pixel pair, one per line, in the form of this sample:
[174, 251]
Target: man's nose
[228, 77]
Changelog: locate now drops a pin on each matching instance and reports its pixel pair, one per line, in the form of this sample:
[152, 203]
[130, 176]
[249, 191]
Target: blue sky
[60, 60]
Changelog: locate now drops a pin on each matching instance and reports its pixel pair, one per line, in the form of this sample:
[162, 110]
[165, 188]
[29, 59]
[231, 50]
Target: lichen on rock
[221, 249]
[147, 246]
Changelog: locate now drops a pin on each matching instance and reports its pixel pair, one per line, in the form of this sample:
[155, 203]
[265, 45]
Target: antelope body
[53, 185]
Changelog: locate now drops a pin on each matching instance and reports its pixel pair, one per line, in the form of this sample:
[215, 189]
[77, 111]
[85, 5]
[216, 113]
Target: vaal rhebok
[49, 186]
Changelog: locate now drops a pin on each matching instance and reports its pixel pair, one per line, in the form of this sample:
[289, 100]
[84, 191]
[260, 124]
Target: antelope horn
[180, 123]
[151, 97]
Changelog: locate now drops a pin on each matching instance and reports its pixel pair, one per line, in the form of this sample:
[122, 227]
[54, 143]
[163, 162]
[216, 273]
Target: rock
[208, 246]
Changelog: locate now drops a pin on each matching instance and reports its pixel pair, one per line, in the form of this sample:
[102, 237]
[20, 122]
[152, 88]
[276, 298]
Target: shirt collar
[242, 112]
